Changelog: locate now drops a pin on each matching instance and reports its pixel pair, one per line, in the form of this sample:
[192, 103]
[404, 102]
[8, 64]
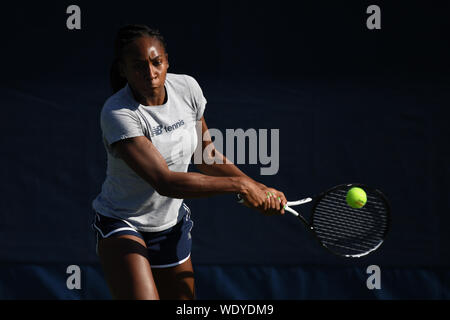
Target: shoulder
[183, 81]
[119, 102]
[119, 114]
[118, 118]
[188, 87]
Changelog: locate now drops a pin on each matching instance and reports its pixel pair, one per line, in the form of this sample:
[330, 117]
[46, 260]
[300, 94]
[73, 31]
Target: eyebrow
[139, 60]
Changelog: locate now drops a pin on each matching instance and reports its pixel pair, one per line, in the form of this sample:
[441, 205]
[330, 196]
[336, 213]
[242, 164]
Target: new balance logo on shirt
[155, 131]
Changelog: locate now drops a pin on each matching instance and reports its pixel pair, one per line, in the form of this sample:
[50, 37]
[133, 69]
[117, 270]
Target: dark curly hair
[124, 37]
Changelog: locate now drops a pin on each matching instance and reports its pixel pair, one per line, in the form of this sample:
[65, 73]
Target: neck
[156, 98]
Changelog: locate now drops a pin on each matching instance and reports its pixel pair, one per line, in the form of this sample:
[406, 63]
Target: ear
[167, 59]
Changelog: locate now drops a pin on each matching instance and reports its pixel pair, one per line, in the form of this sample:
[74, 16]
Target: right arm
[141, 155]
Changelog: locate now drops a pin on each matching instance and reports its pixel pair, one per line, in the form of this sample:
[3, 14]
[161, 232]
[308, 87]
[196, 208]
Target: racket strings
[348, 231]
[360, 233]
[349, 226]
[362, 243]
[363, 221]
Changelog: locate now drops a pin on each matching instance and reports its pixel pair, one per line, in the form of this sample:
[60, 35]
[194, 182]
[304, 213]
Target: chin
[151, 88]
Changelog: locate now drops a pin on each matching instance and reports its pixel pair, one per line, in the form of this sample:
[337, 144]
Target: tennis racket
[343, 230]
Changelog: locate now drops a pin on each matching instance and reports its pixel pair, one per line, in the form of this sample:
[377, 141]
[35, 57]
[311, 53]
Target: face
[145, 65]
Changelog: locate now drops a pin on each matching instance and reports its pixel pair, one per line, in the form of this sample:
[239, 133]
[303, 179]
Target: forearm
[222, 168]
[184, 185]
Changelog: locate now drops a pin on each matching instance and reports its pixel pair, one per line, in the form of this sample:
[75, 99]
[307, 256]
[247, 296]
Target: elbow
[163, 187]
[166, 188]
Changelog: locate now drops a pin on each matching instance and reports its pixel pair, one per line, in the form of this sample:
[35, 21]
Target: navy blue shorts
[167, 248]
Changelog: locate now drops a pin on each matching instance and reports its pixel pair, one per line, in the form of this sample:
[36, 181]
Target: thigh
[175, 283]
[127, 269]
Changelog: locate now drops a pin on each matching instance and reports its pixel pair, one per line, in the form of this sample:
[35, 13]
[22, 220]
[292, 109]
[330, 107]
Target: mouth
[152, 84]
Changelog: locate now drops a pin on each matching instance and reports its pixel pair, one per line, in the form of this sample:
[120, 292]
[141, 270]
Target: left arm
[221, 166]
[218, 165]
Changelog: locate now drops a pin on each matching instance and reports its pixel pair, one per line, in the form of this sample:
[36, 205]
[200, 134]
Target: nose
[151, 71]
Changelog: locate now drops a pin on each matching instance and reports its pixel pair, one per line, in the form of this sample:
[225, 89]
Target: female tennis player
[142, 224]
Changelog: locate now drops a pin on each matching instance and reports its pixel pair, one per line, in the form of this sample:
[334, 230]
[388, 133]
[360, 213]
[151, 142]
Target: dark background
[352, 105]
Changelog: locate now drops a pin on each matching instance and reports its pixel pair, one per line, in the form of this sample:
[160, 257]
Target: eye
[157, 62]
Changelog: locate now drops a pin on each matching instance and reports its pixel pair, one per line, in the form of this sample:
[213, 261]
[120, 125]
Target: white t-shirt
[172, 129]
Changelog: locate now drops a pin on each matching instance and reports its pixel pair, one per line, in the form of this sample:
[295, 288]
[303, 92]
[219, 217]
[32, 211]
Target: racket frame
[315, 200]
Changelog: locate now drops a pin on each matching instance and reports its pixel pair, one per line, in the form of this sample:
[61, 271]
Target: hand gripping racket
[343, 230]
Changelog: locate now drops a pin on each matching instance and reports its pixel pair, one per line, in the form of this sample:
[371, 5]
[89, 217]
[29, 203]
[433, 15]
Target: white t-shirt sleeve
[198, 100]
[119, 124]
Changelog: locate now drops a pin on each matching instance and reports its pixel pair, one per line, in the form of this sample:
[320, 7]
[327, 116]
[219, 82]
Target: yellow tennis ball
[356, 198]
